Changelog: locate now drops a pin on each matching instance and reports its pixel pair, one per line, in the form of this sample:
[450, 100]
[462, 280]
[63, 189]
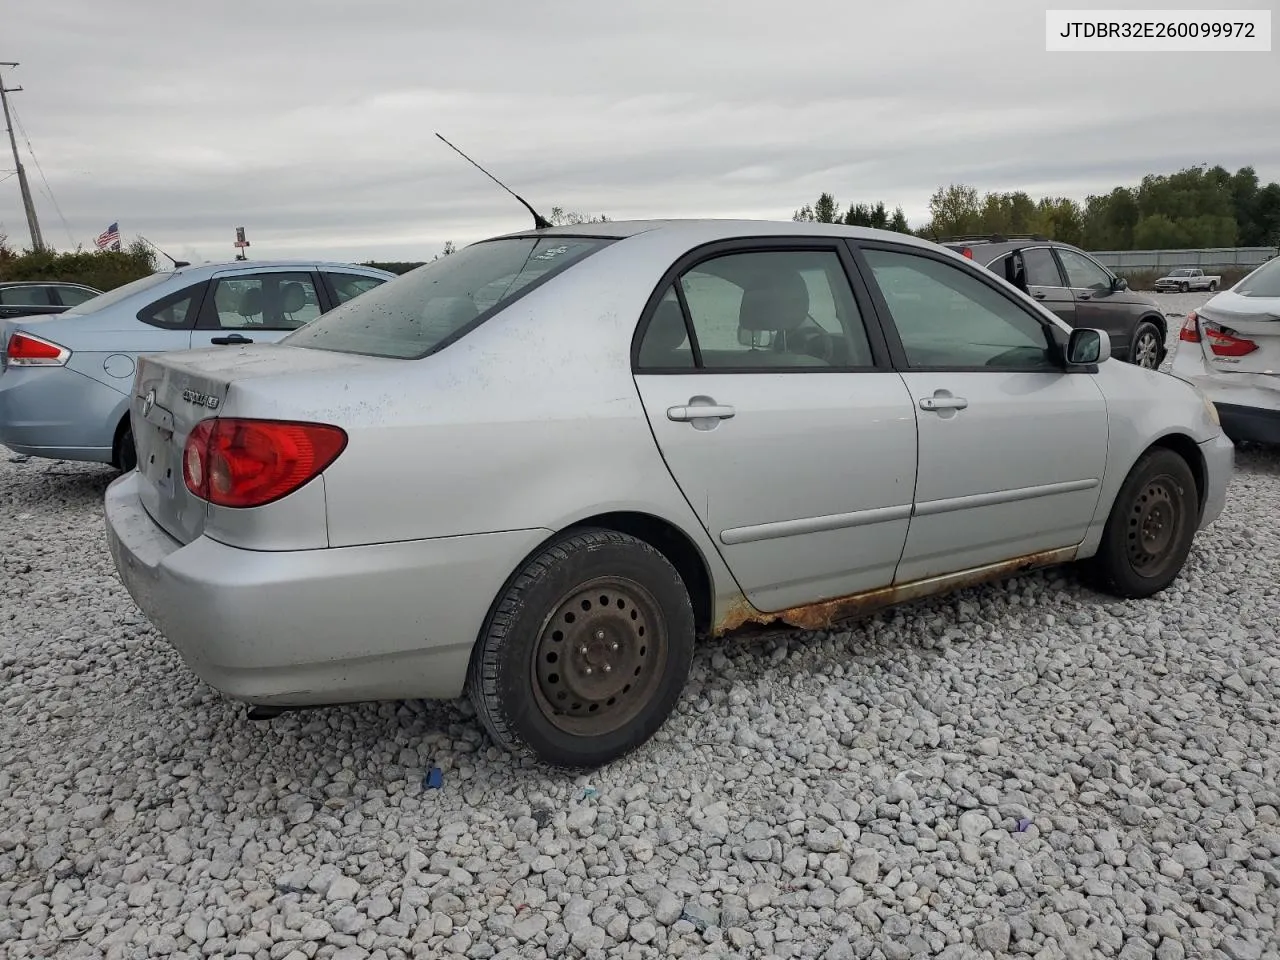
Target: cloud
[312, 123]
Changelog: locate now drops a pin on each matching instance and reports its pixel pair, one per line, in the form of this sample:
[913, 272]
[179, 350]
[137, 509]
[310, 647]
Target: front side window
[946, 318]
[1042, 270]
[762, 309]
[266, 301]
[1083, 273]
[431, 306]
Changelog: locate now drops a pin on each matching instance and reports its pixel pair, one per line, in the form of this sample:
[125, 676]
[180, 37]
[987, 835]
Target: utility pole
[37, 241]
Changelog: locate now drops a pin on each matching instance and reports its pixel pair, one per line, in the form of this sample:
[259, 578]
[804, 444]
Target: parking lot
[1026, 769]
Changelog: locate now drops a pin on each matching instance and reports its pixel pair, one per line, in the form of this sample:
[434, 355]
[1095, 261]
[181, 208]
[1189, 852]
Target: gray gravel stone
[854, 792]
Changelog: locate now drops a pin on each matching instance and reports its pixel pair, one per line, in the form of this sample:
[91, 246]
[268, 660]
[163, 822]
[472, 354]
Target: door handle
[1039, 296]
[230, 338]
[1085, 296]
[709, 411]
[943, 403]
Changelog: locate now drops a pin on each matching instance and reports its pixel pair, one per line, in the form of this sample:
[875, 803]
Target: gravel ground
[1028, 769]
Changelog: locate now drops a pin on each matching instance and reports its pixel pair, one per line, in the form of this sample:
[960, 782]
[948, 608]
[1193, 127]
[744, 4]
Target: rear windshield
[94, 304]
[1263, 282]
[430, 307]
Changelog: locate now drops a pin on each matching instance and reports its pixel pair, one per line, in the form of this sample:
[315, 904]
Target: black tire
[597, 623]
[1147, 350]
[1137, 557]
[1184, 287]
[126, 454]
[1213, 285]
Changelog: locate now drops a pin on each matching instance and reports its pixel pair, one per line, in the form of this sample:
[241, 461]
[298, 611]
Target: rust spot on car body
[818, 616]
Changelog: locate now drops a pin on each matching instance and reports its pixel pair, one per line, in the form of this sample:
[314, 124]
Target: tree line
[1196, 207]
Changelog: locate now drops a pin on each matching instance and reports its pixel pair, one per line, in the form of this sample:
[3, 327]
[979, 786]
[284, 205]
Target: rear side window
[348, 286]
[430, 307]
[177, 311]
[1263, 282]
[74, 296]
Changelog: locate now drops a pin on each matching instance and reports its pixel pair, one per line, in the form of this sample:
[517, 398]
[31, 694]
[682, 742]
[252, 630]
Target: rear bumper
[1219, 462]
[309, 627]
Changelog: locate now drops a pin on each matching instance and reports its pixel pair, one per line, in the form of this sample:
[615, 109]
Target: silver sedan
[536, 470]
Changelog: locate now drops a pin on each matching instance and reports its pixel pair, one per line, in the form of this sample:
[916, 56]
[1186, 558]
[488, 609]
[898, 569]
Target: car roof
[705, 230]
[45, 283]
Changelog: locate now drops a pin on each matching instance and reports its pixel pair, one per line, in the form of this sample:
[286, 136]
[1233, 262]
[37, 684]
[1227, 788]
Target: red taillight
[1190, 329]
[966, 252]
[28, 350]
[248, 463]
[1225, 344]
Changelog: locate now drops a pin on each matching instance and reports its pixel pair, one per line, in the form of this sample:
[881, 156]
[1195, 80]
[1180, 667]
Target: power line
[48, 190]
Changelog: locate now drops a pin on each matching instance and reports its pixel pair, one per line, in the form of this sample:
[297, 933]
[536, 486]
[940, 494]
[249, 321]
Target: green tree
[955, 210]
[101, 269]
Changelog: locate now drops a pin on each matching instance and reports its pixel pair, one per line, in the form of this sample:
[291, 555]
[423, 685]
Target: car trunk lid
[175, 391]
[1241, 335]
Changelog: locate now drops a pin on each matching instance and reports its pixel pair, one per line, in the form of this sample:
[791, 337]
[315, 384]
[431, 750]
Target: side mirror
[1086, 347]
[1119, 283]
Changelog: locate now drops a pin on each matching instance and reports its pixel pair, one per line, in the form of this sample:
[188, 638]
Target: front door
[1012, 449]
[1098, 304]
[788, 434]
[256, 306]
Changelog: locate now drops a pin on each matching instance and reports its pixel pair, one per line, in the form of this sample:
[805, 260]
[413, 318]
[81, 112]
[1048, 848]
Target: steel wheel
[1154, 526]
[585, 650]
[1150, 527]
[1146, 350]
[599, 657]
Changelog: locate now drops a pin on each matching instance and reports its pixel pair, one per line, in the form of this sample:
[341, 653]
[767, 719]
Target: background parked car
[1186, 279]
[64, 380]
[1077, 288]
[29, 298]
[1230, 350]
[559, 456]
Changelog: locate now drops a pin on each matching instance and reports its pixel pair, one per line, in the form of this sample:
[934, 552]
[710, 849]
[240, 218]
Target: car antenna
[539, 221]
[177, 264]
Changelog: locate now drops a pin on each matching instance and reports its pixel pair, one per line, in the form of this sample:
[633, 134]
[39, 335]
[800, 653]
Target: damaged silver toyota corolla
[537, 469]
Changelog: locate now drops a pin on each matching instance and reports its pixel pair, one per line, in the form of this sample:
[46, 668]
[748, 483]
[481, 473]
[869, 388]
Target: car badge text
[200, 399]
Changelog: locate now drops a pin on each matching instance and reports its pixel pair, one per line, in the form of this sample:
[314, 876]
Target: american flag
[109, 238]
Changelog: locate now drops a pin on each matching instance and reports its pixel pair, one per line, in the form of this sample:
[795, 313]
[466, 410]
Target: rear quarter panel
[532, 420]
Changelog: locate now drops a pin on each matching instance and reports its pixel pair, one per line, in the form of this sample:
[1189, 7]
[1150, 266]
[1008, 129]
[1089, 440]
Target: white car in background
[1230, 350]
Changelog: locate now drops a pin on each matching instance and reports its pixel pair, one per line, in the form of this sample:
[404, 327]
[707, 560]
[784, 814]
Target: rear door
[257, 306]
[773, 404]
[1012, 448]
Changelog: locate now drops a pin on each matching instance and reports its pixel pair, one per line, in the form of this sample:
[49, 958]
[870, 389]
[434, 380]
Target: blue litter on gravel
[434, 780]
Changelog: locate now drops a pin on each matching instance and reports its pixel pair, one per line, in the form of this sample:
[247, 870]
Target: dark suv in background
[1077, 288]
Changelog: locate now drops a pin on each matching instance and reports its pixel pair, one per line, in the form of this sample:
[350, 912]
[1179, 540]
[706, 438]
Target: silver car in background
[1230, 350]
[65, 379]
[536, 470]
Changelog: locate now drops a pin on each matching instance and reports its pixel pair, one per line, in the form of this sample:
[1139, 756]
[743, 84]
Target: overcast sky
[311, 123]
